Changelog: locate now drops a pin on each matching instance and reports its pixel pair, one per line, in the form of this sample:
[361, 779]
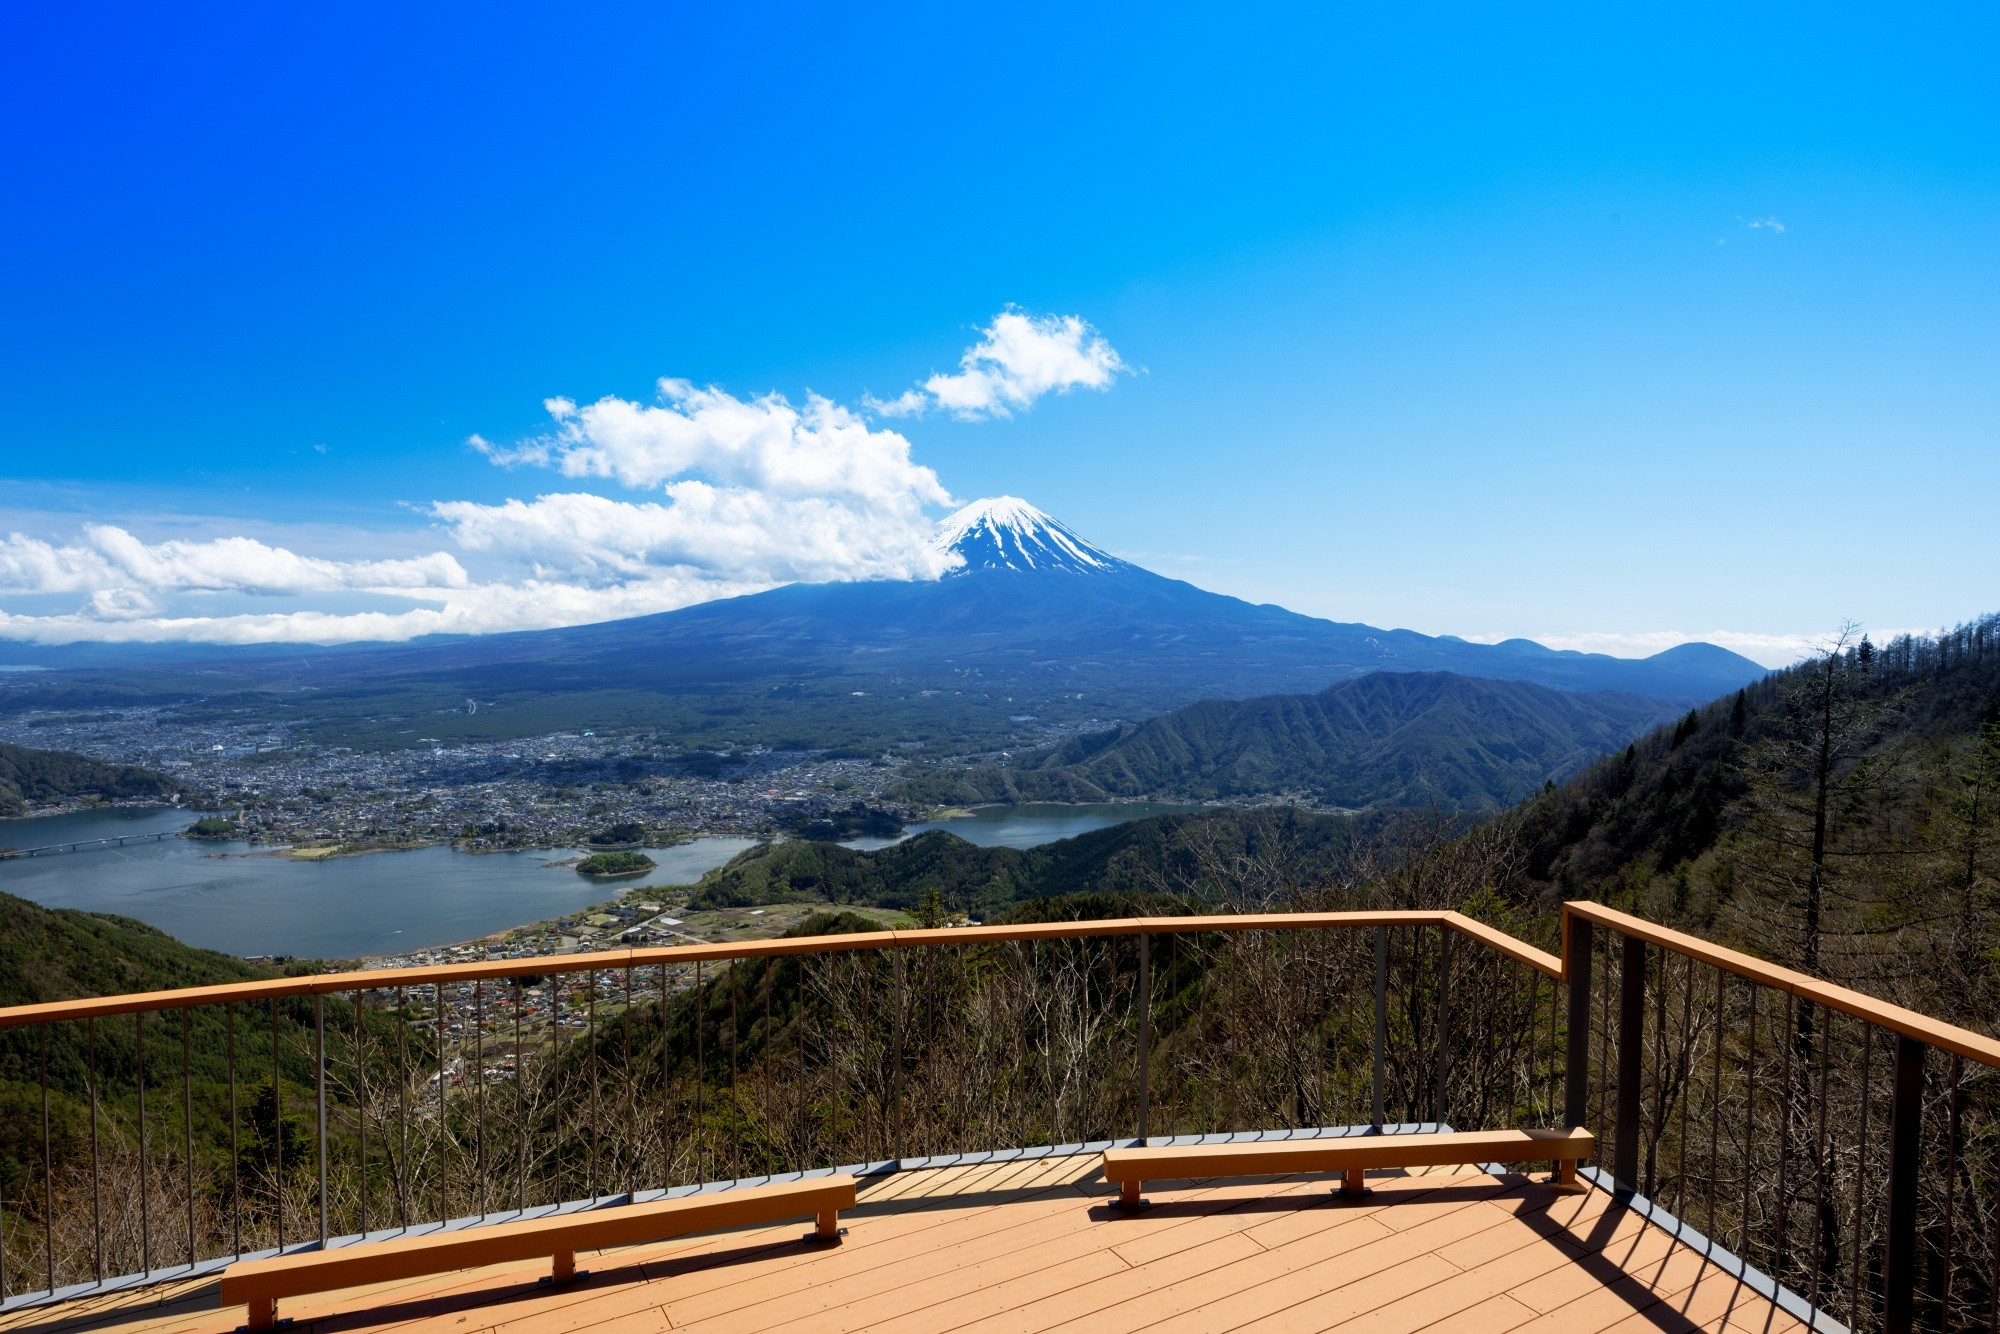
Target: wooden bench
[1350, 1155]
[260, 1283]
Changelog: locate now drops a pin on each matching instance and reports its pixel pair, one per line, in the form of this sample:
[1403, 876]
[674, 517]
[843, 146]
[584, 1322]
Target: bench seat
[260, 1283]
[1350, 1155]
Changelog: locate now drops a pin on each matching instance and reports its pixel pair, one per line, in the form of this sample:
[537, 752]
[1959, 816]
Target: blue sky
[1605, 330]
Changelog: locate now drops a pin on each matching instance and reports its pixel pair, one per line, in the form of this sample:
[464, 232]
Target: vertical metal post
[444, 1130]
[896, 1097]
[1439, 1111]
[1899, 1272]
[96, 1175]
[1576, 1062]
[1381, 1043]
[1145, 1024]
[187, 1119]
[48, 1169]
[319, 1060]
[145, 1175]
[1631, 1056]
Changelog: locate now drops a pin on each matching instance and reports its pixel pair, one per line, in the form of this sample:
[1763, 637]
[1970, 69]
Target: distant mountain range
[1385, 739]
[1031, 625]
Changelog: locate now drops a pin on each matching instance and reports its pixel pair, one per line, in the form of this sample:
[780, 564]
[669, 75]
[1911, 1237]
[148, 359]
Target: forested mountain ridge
[31, 778]
[1893, 753]
[1201, 857]
[1385, 739]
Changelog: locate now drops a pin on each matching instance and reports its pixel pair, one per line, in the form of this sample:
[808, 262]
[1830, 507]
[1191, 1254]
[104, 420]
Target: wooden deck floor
[1035, 1246]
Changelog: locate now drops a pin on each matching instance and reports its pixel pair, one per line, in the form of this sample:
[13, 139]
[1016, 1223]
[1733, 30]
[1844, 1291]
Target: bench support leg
[562, 1268]
[1564, 1177]
[263, 1314]
[1128, 1194]
[829, 1225]
[1354, 1186]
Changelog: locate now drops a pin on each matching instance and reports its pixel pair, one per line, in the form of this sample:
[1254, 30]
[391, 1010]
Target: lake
[218, 896]
[213, 895]
[1031, 825]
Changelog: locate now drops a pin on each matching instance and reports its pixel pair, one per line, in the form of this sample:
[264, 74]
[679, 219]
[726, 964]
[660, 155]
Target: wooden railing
[167, 1132]
[1842, 1147]
[1846, 1147]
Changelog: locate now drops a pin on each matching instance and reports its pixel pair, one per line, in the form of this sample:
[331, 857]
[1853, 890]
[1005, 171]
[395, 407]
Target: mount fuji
[1029, 622]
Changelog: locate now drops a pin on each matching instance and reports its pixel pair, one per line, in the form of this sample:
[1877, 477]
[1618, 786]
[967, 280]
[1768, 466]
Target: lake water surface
[1032, 825]
[219, 896]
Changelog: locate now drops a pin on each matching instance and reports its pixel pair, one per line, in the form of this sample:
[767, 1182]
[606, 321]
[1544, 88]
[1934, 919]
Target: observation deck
[1774, 1151]
[1034, 1243]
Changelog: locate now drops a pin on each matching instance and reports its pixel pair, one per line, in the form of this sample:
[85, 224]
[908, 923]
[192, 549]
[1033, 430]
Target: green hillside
[1386, 739]
[1893, 753]
[1220, 856]
[30, 778]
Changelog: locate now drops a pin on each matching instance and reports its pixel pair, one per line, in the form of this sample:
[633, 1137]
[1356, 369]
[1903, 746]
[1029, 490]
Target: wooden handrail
[1858, 1005]
[97, 1007]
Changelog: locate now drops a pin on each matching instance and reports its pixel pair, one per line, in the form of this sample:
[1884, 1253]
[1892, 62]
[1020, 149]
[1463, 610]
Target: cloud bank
[730, 496]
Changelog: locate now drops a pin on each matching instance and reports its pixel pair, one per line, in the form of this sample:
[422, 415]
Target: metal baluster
[1899, 1269]
[1821, 1168]
[443, 1132]
[556, 1042]
[1780, 1254]
[896, 1095]
[48, 1169]
[187, 1118]
[520, 1095]
[1604, 1109]
[278, 1121]
[479, 1091]
[1631, 1059]
[1555, 1044]
[1749, 1126]
[5, 1292]
[700, 1078]
[1439, 1111]
[1687, 1084]
[1381, 1042]
[666, 1089]
[361, 1101]
[799, 1036]
[1952, 1142]
[1715, 1100]
[145, 1172]
[1860, 1178]
[631, 1093]
[96, 1175]
[319, 1095]
[403, 1181]
[235, 1151]
[1145, 1025]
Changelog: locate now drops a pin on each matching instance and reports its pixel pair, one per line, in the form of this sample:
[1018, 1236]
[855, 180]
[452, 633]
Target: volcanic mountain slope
[1030, 619]
[1385, 739]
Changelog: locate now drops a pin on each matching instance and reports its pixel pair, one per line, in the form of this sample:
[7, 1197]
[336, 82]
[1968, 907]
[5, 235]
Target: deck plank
[1036, 1244]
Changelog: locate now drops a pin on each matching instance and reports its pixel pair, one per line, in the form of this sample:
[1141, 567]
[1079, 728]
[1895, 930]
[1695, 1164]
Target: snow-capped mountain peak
[1005, 533]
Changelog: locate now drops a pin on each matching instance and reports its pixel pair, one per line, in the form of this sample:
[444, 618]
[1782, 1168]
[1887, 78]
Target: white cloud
[764, 444]
[531, 604]
[109, 559]
[748, 493]
[1766, 224]
[730, 533]
[1018, 359]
